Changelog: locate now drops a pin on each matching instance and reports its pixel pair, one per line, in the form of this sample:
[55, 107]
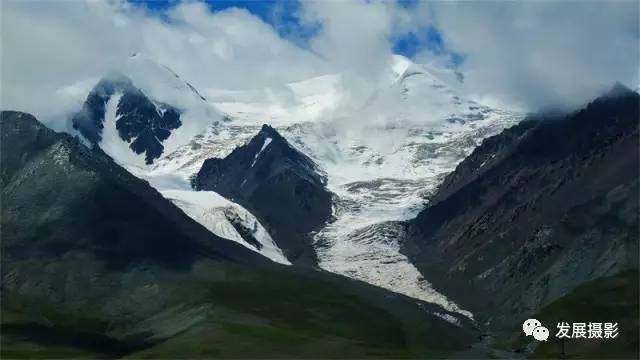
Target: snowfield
[217, 213]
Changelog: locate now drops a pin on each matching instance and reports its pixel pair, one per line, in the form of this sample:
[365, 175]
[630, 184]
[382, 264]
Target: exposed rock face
[278, 184]
[60, 197]
[535, 211]
[140, 121]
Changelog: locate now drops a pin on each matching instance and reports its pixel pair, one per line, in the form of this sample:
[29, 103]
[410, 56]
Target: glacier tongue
[372, 254]
[382, 175]
[382, 162]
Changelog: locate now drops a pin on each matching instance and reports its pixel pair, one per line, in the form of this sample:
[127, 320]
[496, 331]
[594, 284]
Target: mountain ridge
[59, 156]
[514, 214]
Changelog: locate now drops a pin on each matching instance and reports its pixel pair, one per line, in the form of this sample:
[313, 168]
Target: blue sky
[281, 14]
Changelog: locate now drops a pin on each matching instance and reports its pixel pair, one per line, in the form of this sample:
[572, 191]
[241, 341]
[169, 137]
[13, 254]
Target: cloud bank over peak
[517, 55]
[49, 45]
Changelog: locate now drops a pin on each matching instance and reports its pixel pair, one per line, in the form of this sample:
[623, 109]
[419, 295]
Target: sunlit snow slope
[227, 220]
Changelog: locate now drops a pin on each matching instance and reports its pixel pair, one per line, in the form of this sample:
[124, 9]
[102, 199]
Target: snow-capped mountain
[278, 184]
[382, 171]
[141, 111]
[144, 111]
[381, 161]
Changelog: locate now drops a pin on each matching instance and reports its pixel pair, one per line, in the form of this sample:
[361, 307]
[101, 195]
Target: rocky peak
[277, 183]
[139, 120]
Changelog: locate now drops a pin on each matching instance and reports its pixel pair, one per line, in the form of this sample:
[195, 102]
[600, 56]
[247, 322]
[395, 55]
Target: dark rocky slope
[535, 211]
[278, 184]
[60, 197]
[96, 263]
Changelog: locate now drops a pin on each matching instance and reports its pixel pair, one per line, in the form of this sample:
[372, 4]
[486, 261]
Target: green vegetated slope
[608, 299]
[221, 310]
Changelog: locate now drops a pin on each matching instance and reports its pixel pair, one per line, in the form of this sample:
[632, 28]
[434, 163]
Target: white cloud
[355, 38]
[47, 46]
[531, 54]
[524, 55]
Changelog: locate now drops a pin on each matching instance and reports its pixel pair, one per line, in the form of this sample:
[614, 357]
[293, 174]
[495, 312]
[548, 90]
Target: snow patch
[266, 143]
[112, 143]
[448, 318]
